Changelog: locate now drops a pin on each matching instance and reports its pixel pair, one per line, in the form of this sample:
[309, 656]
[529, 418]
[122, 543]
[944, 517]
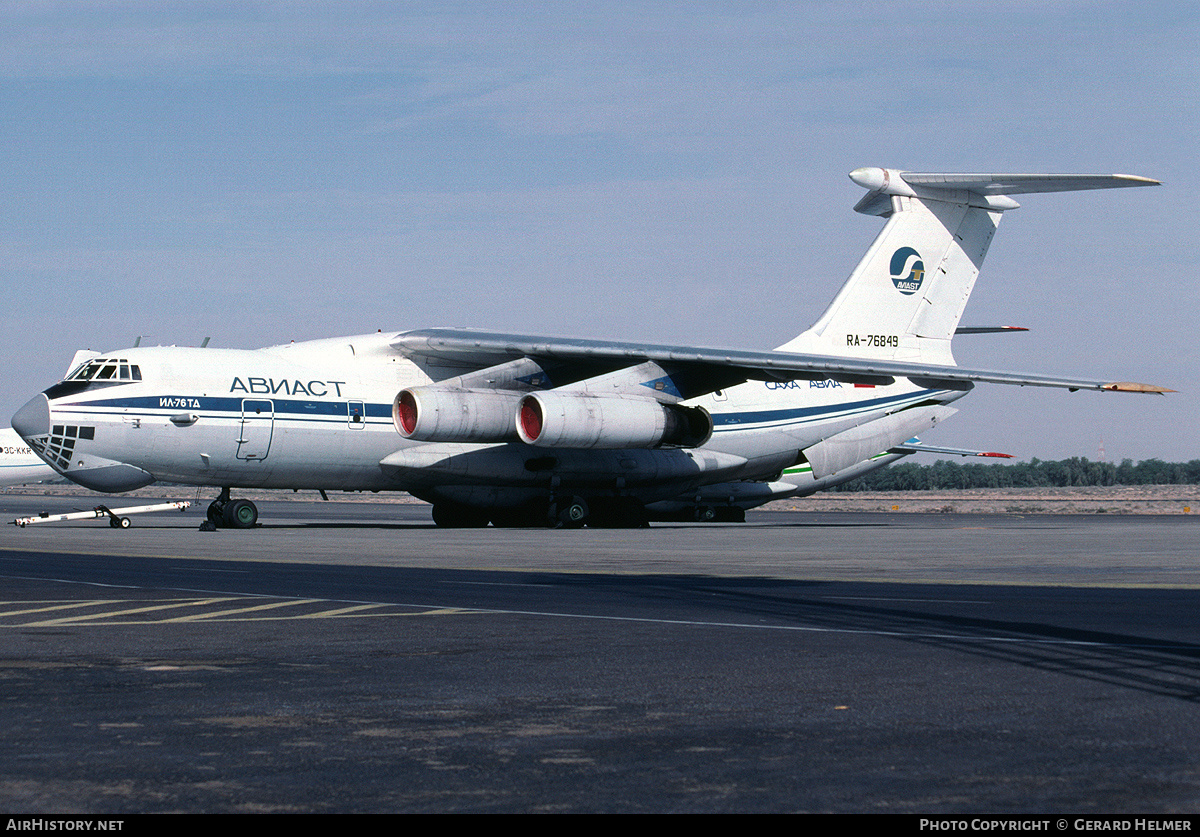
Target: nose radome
[33, 419]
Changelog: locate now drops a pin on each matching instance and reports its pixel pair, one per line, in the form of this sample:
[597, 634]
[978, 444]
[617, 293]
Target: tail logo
[908, 270]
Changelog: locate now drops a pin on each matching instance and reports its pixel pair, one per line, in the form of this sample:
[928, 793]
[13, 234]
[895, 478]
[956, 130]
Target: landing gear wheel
[705, 514]
[216, 510]
[240, 514]
[568, 513]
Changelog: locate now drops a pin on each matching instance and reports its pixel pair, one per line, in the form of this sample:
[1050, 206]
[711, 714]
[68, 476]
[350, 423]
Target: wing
[688, 371]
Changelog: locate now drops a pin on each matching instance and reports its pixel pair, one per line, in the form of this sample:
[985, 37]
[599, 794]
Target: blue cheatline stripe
[338, 420]
[763, 416]
[285, 406]
[294, 409]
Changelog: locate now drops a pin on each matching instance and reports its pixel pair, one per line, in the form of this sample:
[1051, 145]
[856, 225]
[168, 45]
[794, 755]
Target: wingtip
[1137, 180]
[1131, 386]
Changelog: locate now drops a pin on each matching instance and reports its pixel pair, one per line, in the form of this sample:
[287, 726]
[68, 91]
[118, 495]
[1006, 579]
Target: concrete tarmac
[351, 657]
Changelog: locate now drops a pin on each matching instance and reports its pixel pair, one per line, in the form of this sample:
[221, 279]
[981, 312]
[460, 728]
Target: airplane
[19, 465]
[519, 430]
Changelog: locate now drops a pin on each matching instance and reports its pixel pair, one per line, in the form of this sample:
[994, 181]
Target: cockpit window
[106, 369]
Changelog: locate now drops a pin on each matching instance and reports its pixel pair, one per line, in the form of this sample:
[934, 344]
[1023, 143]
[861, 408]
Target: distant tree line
[948, 474]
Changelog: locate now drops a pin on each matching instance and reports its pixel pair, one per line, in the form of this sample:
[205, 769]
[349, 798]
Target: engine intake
[580, 420]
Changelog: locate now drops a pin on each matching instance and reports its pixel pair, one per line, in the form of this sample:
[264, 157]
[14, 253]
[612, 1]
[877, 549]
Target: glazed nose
[33, 419]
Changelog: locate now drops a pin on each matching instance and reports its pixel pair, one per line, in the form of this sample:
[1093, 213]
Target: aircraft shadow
[1166, 667]
[1154, 665]
[1062, 633]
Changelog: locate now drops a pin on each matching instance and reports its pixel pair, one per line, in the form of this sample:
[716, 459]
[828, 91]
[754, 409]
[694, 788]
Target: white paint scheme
[19, 465]
[325, 414]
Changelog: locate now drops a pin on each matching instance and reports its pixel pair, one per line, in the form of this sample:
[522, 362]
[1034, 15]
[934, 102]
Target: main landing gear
[568, 513]
[560, 512]
[224, 513]
[719, 514]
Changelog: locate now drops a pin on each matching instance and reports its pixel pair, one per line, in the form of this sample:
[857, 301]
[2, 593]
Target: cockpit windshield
[106, 369]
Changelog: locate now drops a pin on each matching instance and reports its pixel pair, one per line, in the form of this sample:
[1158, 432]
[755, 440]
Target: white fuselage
[318, 415]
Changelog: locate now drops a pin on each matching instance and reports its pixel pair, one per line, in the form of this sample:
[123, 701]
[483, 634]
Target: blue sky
[671, 172]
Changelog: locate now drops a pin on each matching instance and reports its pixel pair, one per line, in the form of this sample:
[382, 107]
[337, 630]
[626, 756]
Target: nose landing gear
[224, 513]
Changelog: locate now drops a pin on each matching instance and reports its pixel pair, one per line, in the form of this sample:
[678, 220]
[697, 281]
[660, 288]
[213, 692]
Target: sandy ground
[1118, 499]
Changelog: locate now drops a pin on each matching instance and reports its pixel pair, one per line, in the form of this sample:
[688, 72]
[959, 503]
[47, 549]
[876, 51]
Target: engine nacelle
[445, 414]
[579, 420]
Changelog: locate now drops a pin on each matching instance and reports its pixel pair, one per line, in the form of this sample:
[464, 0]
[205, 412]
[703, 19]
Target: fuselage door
[356, 417]
[258, 424]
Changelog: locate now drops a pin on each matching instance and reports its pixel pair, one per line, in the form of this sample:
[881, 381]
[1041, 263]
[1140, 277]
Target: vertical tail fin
[904, 300]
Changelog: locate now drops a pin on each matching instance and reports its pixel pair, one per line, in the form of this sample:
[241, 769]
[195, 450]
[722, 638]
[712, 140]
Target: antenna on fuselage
[137, 342]
[204, 345]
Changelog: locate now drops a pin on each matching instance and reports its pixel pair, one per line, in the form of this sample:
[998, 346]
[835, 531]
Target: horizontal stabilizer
[895, 182]
[989, 329]
[1021, 184]
[915, 445]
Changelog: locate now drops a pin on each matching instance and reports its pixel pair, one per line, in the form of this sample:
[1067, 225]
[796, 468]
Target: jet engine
[444, 414]
[579, 420]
